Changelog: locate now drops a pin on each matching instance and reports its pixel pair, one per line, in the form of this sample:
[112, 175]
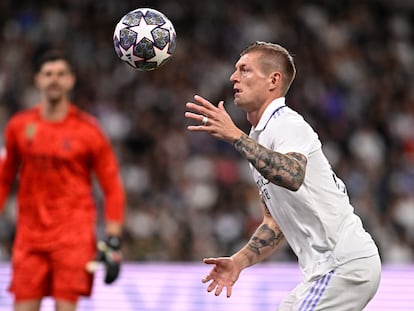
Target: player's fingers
[197, 128]
[219, 289]
[206, 278]
[212, 286]
[229, 289]
[204, 102]
[193, 116]
[210, 260]
[221, 105]
[199, 109]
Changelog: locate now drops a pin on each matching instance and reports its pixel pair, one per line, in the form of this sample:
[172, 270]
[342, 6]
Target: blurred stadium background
[190, 196]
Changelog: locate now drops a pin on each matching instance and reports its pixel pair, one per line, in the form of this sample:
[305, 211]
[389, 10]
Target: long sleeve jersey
[54, 163]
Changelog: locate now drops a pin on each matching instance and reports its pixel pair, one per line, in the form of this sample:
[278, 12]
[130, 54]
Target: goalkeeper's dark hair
[50, 56]
[277, 57]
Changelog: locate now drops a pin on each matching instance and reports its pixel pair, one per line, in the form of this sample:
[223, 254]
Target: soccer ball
[145, 39]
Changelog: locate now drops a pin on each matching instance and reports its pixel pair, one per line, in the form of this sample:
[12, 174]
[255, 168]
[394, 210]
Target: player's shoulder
[295, 118]
[86, 121]
[84, 117]
[291, 123]
[287, 116]
[25, 115]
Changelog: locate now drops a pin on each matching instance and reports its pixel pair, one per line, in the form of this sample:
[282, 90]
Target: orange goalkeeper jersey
[54, 163]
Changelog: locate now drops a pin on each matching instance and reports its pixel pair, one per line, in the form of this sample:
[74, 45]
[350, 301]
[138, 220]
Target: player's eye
[62, 73]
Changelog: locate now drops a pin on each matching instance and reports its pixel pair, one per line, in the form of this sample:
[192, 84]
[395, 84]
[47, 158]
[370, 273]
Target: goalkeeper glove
[109, 252]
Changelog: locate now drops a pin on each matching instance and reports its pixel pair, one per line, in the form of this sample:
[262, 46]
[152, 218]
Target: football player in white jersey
[303, 201]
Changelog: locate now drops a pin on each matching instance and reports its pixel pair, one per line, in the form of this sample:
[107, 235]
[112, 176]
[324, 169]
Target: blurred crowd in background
[189, 195]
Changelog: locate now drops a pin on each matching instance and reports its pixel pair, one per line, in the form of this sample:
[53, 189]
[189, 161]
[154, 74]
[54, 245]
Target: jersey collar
[275, 105]
[71, 111]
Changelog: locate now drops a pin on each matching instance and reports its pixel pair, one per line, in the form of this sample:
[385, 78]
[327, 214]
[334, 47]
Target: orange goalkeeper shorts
[59, 273]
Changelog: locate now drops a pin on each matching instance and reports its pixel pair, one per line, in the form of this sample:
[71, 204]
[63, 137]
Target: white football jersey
[318, 220]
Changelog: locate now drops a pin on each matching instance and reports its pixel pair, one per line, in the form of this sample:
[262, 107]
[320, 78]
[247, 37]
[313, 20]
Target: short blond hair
[276, 57]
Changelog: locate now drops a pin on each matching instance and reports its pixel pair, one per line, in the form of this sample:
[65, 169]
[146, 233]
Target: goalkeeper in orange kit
[54, 149]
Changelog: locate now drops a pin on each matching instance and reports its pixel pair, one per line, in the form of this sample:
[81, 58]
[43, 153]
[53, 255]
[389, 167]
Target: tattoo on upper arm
[264, 237]
[286, 170]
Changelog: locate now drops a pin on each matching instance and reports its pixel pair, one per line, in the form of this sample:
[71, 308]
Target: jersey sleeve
[9, 163]
[106, 169]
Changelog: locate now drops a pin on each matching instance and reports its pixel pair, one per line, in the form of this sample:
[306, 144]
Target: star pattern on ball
[160, 55]
[144, 39]
[143, 32]
[127, 55]
[118, 29]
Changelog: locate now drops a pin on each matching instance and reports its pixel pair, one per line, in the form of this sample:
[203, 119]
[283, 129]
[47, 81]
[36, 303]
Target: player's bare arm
[266, 236]
[265, 241]
[285, 170]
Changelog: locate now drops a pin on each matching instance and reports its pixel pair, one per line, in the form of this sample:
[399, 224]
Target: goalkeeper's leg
[30, 278]
[62, 305]
[70, 279]
[27, 305]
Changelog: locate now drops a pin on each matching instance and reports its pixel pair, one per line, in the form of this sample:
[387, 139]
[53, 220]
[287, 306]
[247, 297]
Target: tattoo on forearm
[264, 237]
[286, 170]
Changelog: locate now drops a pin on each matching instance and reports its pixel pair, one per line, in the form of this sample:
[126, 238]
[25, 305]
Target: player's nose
[233, 77]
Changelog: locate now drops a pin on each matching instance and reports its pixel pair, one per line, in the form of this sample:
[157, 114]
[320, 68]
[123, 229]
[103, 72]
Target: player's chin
[54, 96]
[237, 101]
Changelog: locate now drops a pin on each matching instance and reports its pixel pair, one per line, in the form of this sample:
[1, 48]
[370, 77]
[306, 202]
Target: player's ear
[72, 80]
[36, 81]
[275, 80]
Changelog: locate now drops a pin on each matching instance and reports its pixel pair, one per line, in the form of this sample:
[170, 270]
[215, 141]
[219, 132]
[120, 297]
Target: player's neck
[254, 116]
[54, 111]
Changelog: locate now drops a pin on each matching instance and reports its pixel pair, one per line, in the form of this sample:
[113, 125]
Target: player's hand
[224, 274]
[111, 256]
[213, 120]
